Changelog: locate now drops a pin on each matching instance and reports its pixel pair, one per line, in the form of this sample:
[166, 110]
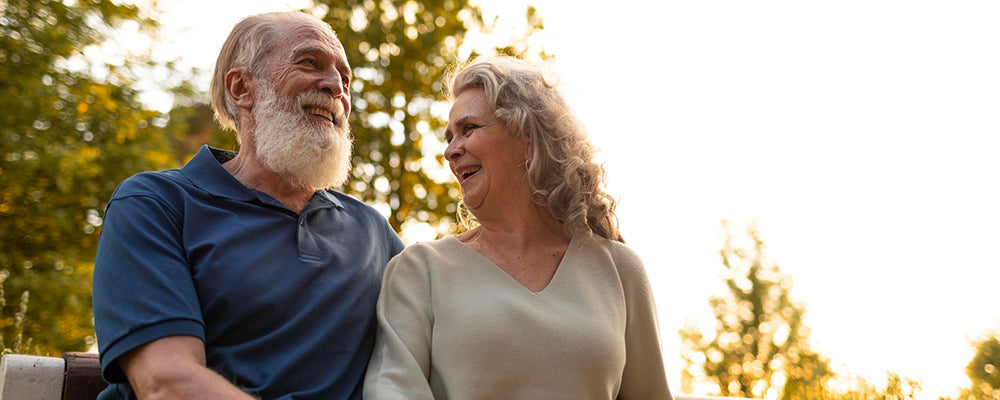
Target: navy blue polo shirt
[284, 302]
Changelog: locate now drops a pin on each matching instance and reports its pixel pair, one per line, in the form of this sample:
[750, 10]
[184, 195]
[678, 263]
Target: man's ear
[238, 87]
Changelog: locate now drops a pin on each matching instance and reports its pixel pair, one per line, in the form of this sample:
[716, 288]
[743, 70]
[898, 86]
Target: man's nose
[333, 84]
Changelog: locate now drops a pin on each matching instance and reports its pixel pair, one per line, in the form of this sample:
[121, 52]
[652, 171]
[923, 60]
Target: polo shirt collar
[206, 172]
[326, 195]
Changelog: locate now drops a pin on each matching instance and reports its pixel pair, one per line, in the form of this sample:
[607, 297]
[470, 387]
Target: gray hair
[247, 46]
[561, 170]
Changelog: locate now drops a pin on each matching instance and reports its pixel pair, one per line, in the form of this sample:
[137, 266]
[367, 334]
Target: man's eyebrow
[322, 52]
[307, 50]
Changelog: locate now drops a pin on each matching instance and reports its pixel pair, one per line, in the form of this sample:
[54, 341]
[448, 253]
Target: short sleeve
[143, 288]
[400, 366]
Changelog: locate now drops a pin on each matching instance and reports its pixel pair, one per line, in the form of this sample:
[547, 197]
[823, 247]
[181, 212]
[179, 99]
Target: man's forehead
[307, 46]
[304, 31]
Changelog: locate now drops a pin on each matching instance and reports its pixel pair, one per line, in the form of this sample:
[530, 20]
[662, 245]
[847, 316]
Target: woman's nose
[454, 150]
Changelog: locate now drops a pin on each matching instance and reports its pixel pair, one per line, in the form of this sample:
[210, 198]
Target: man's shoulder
[153, 183]
[166, 190]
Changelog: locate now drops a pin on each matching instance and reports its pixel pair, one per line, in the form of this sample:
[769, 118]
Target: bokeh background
[857, 141]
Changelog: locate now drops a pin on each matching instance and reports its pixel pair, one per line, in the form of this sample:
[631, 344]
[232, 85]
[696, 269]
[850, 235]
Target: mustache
[324, 101]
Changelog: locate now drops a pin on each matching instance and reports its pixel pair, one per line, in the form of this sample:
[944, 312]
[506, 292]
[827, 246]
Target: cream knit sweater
[453, 325]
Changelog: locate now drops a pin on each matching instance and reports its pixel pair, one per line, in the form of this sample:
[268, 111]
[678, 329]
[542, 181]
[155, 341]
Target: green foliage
[401, 51]
[984, 370]
[854, 388]
[193, 125]
[21, 345]
[761, 344]
[71, 130]
[518, 46]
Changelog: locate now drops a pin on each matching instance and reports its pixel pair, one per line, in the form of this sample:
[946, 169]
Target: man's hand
[173, 367]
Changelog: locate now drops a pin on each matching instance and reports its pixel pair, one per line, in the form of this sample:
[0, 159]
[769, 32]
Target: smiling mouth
[468, 172]
[319, 112]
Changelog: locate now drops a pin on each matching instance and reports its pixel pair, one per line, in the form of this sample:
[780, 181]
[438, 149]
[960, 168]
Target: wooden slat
[83, 377]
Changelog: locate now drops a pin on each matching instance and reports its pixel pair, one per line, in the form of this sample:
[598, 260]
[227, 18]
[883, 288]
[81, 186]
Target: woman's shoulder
[626, 262]
[426, 253]
[436, 247]
[428, 263]
[619, 252]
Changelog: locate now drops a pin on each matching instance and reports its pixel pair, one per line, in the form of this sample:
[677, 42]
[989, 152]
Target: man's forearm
[191, 383]
[173, 367]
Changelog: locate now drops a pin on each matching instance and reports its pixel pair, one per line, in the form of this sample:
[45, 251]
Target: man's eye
[469, 128]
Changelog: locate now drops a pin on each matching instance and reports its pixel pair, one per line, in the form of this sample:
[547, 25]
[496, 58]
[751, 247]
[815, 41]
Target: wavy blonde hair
[561, 170]
[247, 46]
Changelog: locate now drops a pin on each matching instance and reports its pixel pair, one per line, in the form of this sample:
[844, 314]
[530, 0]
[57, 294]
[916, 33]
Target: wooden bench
[77, 376]
[74, 376]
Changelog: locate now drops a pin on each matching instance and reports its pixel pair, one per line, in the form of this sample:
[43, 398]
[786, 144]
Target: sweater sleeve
[400, 364]
[644, 376]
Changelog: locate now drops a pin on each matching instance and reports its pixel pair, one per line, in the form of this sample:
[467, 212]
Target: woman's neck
[519, 228]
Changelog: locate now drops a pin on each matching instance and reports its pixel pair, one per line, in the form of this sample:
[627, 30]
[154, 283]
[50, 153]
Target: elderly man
[242, 275]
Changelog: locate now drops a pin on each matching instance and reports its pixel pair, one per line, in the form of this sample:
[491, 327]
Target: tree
[760, 347]
[984, 370]
[191, 125]
[72, 128]
[401, 51]
[855, 388]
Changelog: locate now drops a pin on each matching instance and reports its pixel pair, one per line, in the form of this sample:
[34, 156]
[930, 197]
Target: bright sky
[861, 135]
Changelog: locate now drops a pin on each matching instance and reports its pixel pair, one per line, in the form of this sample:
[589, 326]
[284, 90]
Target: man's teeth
[320, 112]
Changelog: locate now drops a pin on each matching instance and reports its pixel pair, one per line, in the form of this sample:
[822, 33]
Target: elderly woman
[540, 298]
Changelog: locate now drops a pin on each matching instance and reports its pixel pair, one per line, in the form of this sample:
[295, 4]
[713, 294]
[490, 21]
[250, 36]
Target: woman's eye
[469, 128]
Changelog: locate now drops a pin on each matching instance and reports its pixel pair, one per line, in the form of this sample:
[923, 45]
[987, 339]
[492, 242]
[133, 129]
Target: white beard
[307, 153]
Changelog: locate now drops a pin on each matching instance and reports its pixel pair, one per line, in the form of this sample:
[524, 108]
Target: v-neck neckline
[508, 277]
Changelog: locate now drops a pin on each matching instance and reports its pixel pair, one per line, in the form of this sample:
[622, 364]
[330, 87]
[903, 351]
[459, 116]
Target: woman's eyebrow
[459, 123]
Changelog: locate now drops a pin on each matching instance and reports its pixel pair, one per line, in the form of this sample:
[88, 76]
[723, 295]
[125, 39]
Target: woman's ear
[238, 87]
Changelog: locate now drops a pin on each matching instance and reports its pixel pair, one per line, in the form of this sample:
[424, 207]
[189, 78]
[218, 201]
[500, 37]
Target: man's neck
[249, 171]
